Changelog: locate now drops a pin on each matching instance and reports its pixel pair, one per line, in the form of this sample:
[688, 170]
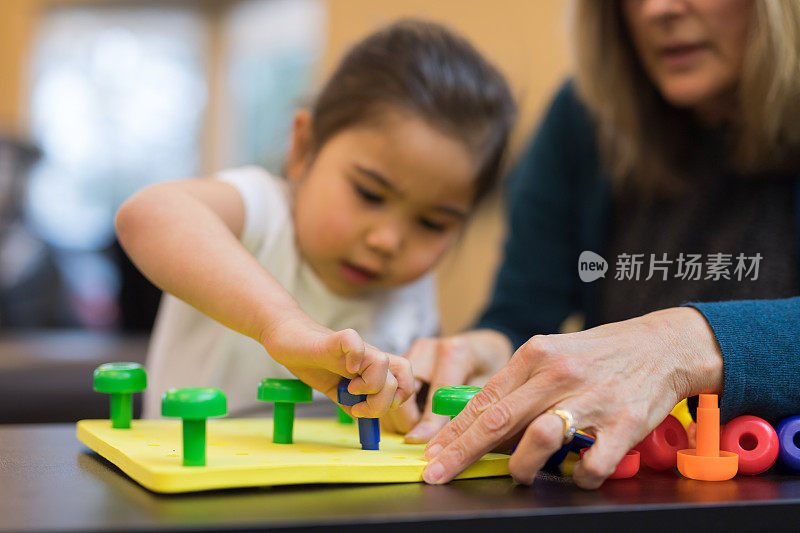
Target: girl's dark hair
[430, 71]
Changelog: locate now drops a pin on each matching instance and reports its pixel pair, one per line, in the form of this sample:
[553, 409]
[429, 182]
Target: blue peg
[369, 429]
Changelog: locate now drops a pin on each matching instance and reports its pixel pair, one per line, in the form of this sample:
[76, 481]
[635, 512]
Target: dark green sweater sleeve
[535, 287]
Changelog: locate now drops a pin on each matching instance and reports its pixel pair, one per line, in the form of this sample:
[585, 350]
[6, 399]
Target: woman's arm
[183, 236]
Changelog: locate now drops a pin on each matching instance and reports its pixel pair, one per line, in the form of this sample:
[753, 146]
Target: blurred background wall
[101, 98]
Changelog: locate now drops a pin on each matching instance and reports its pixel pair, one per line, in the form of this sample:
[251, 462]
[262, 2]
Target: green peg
[285, 393]
[194, 405]
[120, 380]
[451, 400]
[344, 418]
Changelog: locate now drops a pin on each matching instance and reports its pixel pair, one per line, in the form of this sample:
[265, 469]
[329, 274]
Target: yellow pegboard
[240, 453]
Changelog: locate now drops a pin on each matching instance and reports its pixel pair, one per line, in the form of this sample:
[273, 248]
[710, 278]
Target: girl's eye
[368, 196]
[431, 225]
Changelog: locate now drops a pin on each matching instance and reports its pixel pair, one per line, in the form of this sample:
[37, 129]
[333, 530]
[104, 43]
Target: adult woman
[679, 136]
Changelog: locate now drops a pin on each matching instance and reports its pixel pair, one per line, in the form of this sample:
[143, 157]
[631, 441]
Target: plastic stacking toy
[659, 449]
[285, 393]
[343, 417]
[708, 462]
[753, 440]
[788, 431]
[194, 405]
[450, 401]
[120, 380]
[627, 467]
[579, 442]
[681, 412]
[369, 429]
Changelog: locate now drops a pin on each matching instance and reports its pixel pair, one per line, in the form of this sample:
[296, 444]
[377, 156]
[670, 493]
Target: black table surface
[49, 481]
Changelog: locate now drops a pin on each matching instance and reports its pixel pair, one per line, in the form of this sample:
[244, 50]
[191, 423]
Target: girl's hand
[467, 359]
[321, 357]
[618, 380]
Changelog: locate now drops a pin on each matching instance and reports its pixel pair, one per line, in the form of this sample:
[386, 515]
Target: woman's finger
[507, 380]
[542, 438]
[602, 458]
[502, 419]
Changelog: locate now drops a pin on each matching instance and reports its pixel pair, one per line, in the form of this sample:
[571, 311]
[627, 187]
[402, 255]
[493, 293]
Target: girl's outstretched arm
[184, 237]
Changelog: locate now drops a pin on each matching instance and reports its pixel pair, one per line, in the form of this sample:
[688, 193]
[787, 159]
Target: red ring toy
[754, 440]
[626, 468]
[660, 448]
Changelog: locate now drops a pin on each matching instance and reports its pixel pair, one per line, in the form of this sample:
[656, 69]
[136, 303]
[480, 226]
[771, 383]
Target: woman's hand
[321, 357]
[469, 358]
[618, 380]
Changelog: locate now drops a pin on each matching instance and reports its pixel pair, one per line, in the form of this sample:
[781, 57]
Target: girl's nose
[385, 239]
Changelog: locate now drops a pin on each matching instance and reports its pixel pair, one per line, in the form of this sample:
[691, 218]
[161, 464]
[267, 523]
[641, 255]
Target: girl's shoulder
[254, 181]
[266, 203]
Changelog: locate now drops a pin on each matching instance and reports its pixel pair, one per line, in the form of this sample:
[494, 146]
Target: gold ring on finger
[569, 422]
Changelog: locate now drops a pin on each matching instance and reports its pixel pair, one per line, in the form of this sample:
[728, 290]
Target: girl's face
[379, 205]
[692, 50]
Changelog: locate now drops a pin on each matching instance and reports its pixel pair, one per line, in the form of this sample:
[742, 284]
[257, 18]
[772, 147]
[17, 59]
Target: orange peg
[708, 462]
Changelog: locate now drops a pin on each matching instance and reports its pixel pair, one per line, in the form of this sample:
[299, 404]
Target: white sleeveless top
[187, 348]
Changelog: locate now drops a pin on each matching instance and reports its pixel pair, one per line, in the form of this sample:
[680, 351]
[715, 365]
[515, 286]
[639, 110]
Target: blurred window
[119, 94]
[117, 101]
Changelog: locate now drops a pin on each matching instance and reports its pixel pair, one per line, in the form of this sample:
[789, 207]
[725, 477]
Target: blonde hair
[641, 138]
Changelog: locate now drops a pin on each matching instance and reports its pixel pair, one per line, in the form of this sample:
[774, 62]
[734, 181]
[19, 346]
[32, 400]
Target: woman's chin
[698, 95]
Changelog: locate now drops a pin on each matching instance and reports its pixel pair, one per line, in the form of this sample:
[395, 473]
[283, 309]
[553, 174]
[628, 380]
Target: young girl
[272, 278]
